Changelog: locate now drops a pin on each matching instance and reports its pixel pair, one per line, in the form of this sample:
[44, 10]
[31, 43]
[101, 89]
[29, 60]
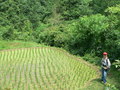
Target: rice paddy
[43, 68]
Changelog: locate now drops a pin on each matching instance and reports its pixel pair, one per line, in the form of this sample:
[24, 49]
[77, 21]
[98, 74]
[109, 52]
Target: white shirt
[106, 62]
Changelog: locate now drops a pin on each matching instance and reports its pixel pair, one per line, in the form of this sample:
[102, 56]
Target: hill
[15, 66]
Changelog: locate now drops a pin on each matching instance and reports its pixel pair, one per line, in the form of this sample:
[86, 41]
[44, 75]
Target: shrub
[92, 58]
[117, 64]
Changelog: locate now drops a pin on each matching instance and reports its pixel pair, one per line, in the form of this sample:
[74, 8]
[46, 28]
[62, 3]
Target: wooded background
[83, 27]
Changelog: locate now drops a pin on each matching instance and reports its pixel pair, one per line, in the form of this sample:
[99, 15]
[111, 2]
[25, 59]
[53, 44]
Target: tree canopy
[80, 26]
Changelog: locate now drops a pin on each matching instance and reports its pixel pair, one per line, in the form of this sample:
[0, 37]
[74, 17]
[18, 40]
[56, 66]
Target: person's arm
[109, 64]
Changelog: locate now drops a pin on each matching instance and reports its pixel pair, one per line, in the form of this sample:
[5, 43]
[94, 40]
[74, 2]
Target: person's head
[105, 55]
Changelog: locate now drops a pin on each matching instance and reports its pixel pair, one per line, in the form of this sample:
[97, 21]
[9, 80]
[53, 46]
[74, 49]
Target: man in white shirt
[105, 66]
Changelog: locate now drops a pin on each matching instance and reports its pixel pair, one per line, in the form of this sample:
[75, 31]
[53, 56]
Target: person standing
[105, 66]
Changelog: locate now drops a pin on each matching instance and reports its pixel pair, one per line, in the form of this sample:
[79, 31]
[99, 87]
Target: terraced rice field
[43, 68]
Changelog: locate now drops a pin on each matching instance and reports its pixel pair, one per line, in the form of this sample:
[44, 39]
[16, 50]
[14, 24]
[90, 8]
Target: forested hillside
[80, 26]
[85, 28]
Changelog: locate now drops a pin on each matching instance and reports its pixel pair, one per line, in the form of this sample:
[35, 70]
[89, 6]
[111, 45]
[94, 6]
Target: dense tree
[19, 13]
[73, 9]
[80, 26]
[114, 20]
[90, 34]
[99, 6]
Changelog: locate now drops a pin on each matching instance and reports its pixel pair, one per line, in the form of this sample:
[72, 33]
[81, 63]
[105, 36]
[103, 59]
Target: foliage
[18, 13]
[56, 36]
[41, 27]
[114, 21]
[82, 27]
[99, 6]
[31, 21]
[111, 87]
[89, 35]
[72, 9]
[117, 64]
[3, 30]
[114, 9]
[92, 58]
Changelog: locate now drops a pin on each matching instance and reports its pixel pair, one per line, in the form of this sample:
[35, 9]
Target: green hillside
[43, 68]
[33, 31]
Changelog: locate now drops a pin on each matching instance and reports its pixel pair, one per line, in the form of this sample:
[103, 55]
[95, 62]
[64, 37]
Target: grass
[113, 81]
[18, 44]
[47, 68]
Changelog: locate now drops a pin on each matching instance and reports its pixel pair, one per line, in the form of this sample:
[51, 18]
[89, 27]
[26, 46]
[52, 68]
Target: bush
[59, 36]
[110, 87]
[25, 36]
[117, 64]
[5, 32]
[92, 58]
